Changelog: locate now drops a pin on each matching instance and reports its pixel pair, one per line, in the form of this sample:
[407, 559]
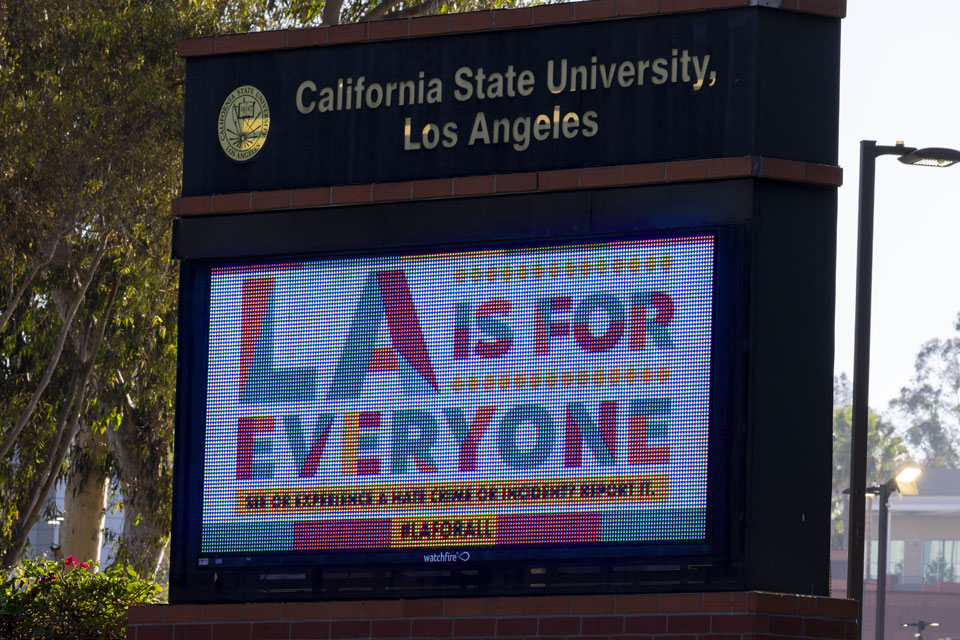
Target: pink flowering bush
[66, 601]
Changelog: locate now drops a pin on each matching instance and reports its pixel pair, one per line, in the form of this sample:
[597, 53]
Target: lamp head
[906, 480]
[931, 157]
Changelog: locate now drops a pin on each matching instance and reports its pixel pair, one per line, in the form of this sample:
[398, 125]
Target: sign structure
[545, 395]
[546, 303]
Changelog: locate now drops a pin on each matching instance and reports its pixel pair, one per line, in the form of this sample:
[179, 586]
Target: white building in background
[44, 538]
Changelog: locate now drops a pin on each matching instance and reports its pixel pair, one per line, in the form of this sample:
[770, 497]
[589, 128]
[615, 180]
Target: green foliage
[886, 454]
[930, 404]
[65, 601]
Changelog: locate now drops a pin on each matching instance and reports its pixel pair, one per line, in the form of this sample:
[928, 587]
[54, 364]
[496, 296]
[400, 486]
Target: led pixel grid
[487, 398]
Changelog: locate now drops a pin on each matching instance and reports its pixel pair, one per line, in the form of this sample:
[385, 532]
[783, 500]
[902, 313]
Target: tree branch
[11, 437]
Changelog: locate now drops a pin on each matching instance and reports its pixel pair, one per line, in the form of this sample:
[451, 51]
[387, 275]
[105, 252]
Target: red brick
[601, 176]
[266, 40]
[432, 628]
[543, 605]
[461, 607]
[195, 205]
[680, 602]
[562, 179]
[270, 631]
[557, 626]
[390, 629]
[231, 43]
[145, 613]
[195, 47]
[646, 624]
[154, 632]
[237, 631]
[382, 608]
[506, 18]
[517, 627]
[262, 611]
[592, 604]
[231, 202]
[270, 199]
[688, 170]
[343, 33]
[350, 194]
[222, 613]
[823, 174]
[388, 29]
[422, 608]
[309, 37]
[761, 623]
[850, 631]
[316, 197]
[601, 625]
[341, 610]
[819, 628]
[472, 627]
[638, 7]
[676, 6]
[738, 623]
[473, 185]
[301, 610]
[350, 629]
[725, 601]
[595, 10]
[722, 636]
[688, 624]
[763, 602]
[781, 169]
[551, 13]
[789, 4]
[312, 630]
[471, 21]
[438, 188]
[644, 173]
[182, 613]
[510, 182]
[806, 605]
[384, 191]
[731, 167]
[786, 625]
[506, 606]
[192, 632]
[637, 603]
[823, 7]
[724, 4]
[429, 25]
[843, 8]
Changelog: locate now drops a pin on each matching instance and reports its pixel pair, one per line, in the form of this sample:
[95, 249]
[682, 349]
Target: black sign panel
[594, 94]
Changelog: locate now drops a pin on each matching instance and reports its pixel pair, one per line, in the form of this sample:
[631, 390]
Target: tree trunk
[81, 534]
[85, 502]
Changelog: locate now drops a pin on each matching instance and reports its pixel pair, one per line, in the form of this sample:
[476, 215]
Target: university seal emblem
[244, 123]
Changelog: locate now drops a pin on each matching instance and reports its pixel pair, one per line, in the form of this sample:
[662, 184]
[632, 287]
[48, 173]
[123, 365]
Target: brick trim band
[509, 183]
[480, 21]
[690, 616]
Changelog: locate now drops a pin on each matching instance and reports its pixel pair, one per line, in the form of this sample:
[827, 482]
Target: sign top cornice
[480, 21]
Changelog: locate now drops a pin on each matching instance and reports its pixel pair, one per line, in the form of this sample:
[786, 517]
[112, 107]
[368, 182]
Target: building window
[894, 560]
[941, 561]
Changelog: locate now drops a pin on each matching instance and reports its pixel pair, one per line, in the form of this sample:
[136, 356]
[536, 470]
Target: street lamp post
[869, 152]
[904, 482]
[920, 625]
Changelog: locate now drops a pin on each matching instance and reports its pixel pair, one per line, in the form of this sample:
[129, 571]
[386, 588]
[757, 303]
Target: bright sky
[899, 81]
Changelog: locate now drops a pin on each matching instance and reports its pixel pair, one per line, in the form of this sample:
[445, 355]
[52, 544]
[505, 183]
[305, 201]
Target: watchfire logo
[444, 556]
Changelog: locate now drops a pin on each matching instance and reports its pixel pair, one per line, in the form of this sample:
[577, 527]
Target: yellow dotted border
[563, 269]
[532, 380]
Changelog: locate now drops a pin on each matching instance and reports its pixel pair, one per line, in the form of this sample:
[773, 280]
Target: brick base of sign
[675, 616]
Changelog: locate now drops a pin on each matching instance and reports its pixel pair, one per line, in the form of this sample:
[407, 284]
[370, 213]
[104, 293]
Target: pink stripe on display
[552, 528]
[341, 534]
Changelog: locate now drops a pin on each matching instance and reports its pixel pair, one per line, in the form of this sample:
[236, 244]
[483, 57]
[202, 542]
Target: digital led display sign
[460, 400]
